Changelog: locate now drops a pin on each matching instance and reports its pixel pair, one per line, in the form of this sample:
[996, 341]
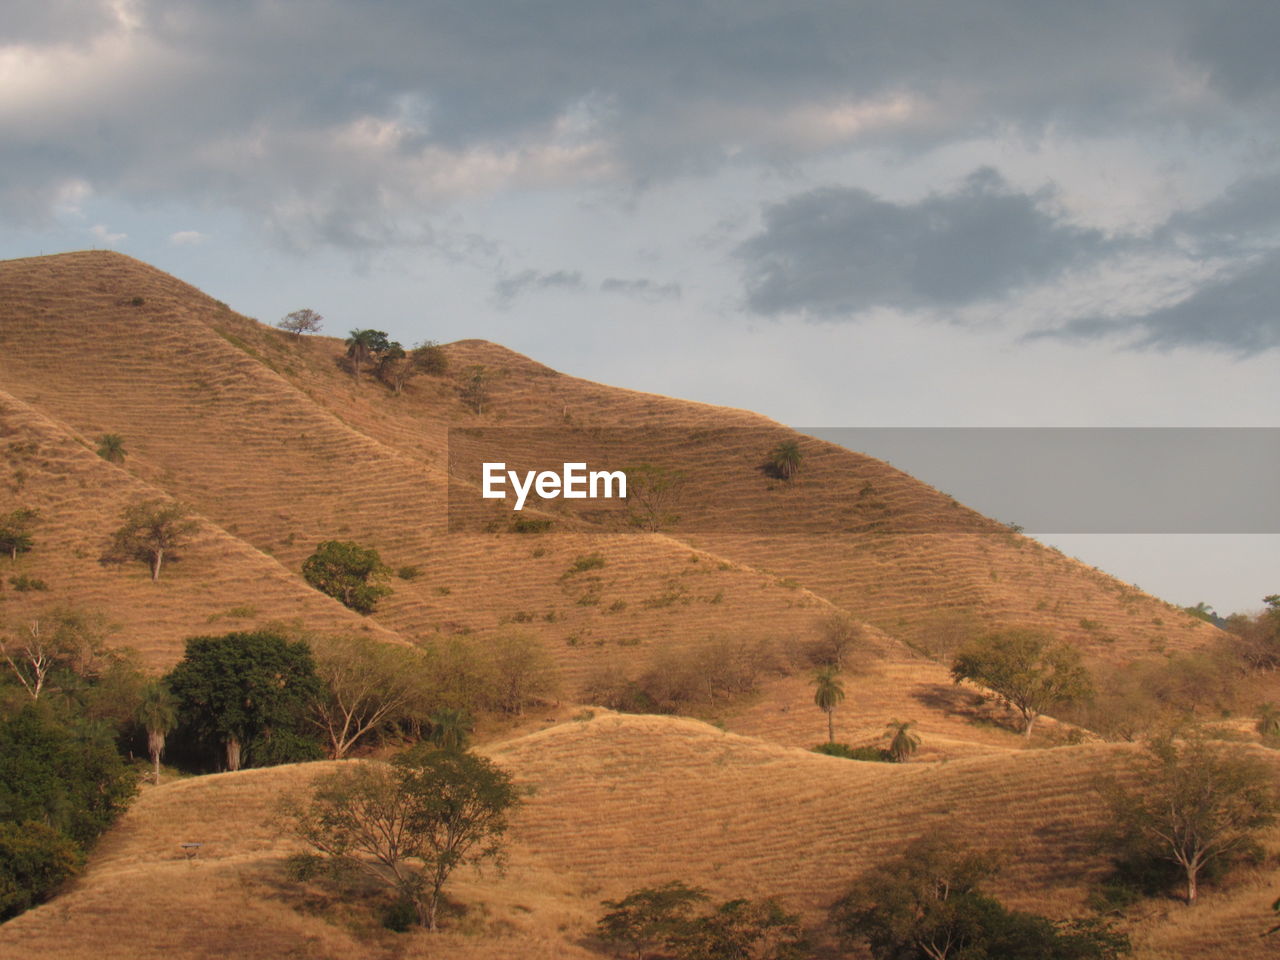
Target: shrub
[35, 860]
[349, 573]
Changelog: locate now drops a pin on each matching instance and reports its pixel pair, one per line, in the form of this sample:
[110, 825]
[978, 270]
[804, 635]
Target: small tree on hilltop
[1193, 803]
[786, 459]
[15, 531]
[828, 694]
[365, 346]
[300, 322]
[111, 448]
[1025, 670]
[153, 531]
[409, 824]
[349, 573]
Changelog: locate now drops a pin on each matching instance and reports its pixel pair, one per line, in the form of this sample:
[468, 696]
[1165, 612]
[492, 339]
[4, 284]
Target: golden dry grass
[617, 802]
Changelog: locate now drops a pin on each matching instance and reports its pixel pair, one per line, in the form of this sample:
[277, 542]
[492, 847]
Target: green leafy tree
[928, 904]
[740, 929]
[474, 388]
[238, 692]
[786, 459]
[1192, 803]
[367, 685]
[902, 742]
[646, 919]
[15, 531]
[431, 358]
[301, 321]
[450, 729]
[158, 715]
[349, 573]
[411, 823]
[35, 860]
[365, 347]
[827, 695]
[111, 448]
[67, 775]
[152, 531]
[1025, 670]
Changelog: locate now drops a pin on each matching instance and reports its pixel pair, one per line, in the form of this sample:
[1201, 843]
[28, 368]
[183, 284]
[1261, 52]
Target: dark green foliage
[928, 903]
[431, 359]
[15, 531]
[111, 448]
[785, 459]
[522, 524]
[409, 572]
[409, 824]
[67, 775]
[872, 754]
[671, 919]
[35, 860]
[349, 573]
[585, 562]
[25, 584]
[246, 693]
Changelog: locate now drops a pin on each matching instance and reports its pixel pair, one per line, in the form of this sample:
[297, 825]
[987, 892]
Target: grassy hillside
[738, 815]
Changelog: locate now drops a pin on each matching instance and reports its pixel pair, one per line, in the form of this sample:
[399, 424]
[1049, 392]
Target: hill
[740, 816]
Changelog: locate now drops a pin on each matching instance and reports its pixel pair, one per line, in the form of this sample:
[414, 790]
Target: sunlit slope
[734, 814]
[269, 438]
[217, 583]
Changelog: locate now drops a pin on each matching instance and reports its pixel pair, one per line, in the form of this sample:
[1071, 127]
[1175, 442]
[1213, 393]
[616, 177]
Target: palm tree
[158, 713]
[785, 459]
[902, 743]
[363, 346]
[827, 696]
[111, 447]
[450, 728]
[1268, 720]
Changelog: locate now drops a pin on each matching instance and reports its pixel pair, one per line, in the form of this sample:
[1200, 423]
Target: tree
[152, 531]
[349, 573]
[365, 346]
[828, 694]
[158, 715]
[839, 638]
[664, 917]
[645, 919]
[35, 860]
[111, 448]
[1268, 724]
[523, 672]
[653, 493]
[1025, 671]
[928, 905]
[431, 358]
[15, 531]
[367, 685]
[902, 742]
[474, 389]
[409, 824]
[300, 322]
[1191, 803]
[450, 728]
[396, 366]
[237, 691]
[64, 641]
[786, 459]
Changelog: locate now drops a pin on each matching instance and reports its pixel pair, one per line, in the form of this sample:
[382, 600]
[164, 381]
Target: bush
[35, 860]
[349, 573]
[873, 754]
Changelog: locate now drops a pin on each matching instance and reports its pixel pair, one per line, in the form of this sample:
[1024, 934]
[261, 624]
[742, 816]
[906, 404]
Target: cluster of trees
[389, 361]
[677, 921]
[685, 679]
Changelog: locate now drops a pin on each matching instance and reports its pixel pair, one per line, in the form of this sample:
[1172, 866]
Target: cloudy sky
[922, 213]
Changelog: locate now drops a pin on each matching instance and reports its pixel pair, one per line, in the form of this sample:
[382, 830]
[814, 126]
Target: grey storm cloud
[1238, 312]
[649, 291]
[837, 251]
[509, 287]
[308, 114]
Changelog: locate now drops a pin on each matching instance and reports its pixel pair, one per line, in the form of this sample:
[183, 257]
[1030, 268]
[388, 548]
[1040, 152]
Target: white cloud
[104, 236]
[187, 238]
